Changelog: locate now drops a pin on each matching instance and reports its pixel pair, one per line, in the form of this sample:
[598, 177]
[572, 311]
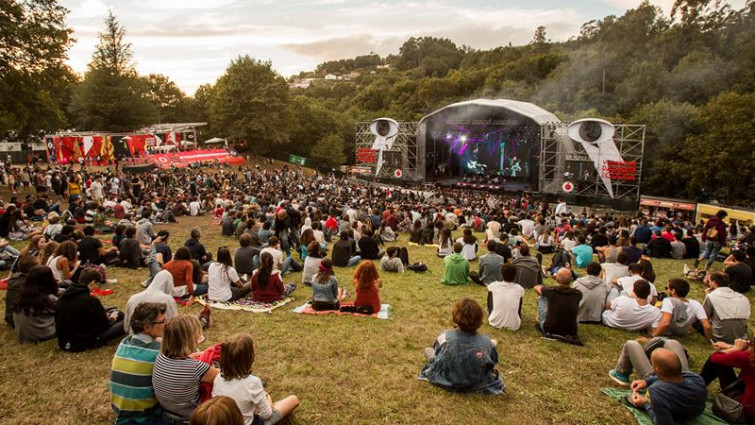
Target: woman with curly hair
[366, 284]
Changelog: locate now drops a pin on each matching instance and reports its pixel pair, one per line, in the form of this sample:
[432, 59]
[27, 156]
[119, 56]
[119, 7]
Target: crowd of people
[287, 221]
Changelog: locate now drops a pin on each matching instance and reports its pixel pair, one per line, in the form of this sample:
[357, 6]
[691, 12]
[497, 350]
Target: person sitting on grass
[390, 262]
[720, 365]
[17, 281]
[130, 250]
[369, 248]
[635, 356]
[529, 273]
[236, 381]
[505, 300]
[82, 323]
[366, 285]
[625, 285]
[177, 371]
[727, 310]
[740, 273]
[463, 360]
[159, 291]
[223, 280]
[632, 312]
[266, 284]
[469, 247]
[582, 252]
[33, 311]
[445, 243]
[594, 292]
[183, 271]
[344, 252]
[490, 266]
[326, 295]
[558, 309]
[673, 395]
[456, 270]
[679, 316]
[131, 394]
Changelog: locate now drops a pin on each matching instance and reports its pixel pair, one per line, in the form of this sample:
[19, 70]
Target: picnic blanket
[4, 284]
[707, 418]
[307, 309]
[245, 304]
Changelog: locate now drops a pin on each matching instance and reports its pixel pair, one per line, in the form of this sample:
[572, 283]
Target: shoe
[619, 377]
[686, 269]
[145, 283]
[205, 316]
[697, 262]
[112, 281]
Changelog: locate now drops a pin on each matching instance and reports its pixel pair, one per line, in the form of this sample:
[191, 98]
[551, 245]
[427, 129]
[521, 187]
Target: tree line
[690, 78]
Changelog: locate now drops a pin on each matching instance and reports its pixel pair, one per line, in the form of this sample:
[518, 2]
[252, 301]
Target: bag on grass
[729, 409]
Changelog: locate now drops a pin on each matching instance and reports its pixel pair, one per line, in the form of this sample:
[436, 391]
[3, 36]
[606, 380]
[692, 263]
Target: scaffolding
[556, 150]
[411, 152]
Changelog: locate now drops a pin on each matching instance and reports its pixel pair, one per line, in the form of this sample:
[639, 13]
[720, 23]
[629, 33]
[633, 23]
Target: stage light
[463, 138]
[449, 136]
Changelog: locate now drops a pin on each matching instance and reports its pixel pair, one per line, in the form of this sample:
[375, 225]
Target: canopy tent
[215, 140]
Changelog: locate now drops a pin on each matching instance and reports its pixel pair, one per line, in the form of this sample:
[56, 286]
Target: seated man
[727, 310]
[390, 262]
[456, 271]
[582, 252]
[490, 266]
[632, 312]
[625, 285]
[244, 255]
[673, 395]
[558, 308]
[528, 270]
[740, 273]
[505, 301]
[658, 247]
[635, 356]
[81, 321]
[131, 250]
[679, 315]
[594, 292]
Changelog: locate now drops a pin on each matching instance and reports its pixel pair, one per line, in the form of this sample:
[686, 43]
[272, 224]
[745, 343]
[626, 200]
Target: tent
[215, 140]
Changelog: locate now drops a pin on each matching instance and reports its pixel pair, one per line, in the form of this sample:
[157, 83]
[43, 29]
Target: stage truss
[556, 150]
[412, 153]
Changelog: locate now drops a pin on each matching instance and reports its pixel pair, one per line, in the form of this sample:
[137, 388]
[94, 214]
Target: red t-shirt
[741, 360]
[331, 223]
[368, 297]
[273, 291]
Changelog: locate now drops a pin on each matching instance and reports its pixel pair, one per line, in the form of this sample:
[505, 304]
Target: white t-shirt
[627, 314]
[248, 393]
[528, 226]
[468, 251]
[568, 244]
[194, 208]
[695, 312]
[627, 285]
[219, 282]
[277, 257]
[616, 271]
[506, 299]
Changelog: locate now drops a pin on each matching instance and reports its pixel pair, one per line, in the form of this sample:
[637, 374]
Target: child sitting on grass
[464, 360]
[237, 382]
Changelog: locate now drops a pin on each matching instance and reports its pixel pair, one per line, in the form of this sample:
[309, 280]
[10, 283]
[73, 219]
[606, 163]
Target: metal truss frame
[629, 139]
[412, 150]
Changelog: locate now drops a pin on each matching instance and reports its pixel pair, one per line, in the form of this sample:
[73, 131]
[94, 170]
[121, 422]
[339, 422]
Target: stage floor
[460, 183]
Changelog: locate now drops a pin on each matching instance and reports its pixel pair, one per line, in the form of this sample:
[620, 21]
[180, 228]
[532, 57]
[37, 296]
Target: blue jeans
[353, 261]
[200, 289]
[542, 310]
[712, 248]
[290, 263]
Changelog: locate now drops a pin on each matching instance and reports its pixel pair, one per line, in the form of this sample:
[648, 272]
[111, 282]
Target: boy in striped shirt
[131, 393]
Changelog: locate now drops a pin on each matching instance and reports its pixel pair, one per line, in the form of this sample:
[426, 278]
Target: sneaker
[205, 316]
[112, 281]
[619, 377]
[686, 269]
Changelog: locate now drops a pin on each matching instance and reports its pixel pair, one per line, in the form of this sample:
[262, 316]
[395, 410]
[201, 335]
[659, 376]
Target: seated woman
[462, 359]
[183, 271]
[721, 365]
[34, 307]
[306, 238]
[177, 372]
[266, 284]
[224, 282]
[311, 263]
[21, 229]
[446, 244]
[237, 382]
[428, 234]
[326, 295]
[65, 261]
[369, 246]
[545, 242]
[469, 245]
[82, 322]
[386, 233]
[366, 284]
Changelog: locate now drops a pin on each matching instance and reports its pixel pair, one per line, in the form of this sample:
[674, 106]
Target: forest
[689, 77]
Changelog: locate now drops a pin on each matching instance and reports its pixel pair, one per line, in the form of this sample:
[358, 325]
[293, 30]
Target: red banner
[620, 170]
[367, 155]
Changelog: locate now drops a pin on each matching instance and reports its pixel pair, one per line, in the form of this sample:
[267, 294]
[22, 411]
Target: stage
[460, 183]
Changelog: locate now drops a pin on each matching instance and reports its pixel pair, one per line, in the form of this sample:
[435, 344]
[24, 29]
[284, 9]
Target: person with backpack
[714, 238]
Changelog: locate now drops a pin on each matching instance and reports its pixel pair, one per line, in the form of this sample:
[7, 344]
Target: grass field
[349, 370]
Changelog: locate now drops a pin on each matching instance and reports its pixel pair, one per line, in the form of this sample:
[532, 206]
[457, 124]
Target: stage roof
[526, 109]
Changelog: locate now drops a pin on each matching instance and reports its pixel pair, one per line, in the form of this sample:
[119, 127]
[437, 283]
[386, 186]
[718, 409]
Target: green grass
[351, 370]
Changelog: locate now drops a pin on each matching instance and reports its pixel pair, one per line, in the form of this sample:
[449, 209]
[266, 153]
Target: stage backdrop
[102, 149]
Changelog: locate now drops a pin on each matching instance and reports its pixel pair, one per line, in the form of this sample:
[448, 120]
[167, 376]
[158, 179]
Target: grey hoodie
[159, 291]
[594, 292]
[528, 272]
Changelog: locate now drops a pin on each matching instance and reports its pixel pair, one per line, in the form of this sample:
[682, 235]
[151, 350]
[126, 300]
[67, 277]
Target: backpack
[711, 233]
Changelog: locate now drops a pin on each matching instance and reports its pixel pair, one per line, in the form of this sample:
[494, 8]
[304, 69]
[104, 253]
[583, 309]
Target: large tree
[112, 96]
[250, 104]
[34, 79]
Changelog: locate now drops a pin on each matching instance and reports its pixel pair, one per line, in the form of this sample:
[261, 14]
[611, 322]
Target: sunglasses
[161, 322]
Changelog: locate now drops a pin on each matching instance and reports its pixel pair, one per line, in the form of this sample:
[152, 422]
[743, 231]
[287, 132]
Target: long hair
[307, 236]
[469, 238]
[224, 258]
[445, 238]
[647, 272]
[34, 297]
[49, 251]
[365, 275]
[70, 250]
[181, 335]
[33, 244]
[265, 269]
[237, 357]
[325, 271]
[315, 250]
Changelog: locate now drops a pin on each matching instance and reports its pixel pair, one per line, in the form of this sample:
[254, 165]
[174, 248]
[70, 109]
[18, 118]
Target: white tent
[215, 140]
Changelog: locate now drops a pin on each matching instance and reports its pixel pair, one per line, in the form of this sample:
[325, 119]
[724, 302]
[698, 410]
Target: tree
[34, 79]
[328, 152]
[250, 105]
[540, 37]
[172, 104]
[112, 96]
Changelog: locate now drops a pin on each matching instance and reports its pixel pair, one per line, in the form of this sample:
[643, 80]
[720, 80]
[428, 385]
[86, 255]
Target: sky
[193, 41]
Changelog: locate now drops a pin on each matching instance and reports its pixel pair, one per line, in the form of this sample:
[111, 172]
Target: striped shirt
[176, 383]
[131, 393]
